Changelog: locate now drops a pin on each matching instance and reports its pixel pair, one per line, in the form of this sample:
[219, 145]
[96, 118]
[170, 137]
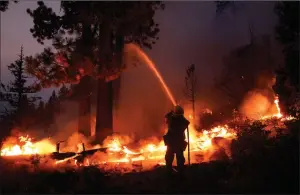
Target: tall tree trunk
[104, 115]
[84, 87]
[116, 85]
[84, 122]
[119, 45]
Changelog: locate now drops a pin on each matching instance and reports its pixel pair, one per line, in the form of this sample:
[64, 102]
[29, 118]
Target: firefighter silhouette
[175, 138]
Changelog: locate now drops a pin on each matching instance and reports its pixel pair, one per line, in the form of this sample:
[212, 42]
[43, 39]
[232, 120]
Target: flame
[278, 114]
[27, 147]
[118, 152]
[67, 159]
[276, 101]
[93, 126]
[199, 142]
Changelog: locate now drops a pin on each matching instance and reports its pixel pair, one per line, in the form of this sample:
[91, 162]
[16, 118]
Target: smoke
[142, 103]
[255, 105]
[66, 129]
[65, 122]
[74, 143]
[260, 101]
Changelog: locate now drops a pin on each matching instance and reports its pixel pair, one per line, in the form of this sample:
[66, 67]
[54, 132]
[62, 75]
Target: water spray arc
[153, 68]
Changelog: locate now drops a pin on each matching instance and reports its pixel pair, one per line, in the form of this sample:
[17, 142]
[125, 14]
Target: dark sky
[190, 33]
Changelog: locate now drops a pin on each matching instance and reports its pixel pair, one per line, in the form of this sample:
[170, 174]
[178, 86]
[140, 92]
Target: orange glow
[26, 147]
[203, 143]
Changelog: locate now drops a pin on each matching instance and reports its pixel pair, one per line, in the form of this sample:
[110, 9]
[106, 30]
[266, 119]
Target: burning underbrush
[119, 153]
[122, 153]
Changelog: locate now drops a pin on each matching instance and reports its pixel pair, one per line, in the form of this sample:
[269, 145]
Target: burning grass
[120, 150]
[121, 153]
[120, 166]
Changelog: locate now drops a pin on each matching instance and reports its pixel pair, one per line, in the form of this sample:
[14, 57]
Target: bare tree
[190, 86]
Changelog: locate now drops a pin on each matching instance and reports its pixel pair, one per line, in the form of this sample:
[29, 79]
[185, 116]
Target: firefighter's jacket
[175, 137]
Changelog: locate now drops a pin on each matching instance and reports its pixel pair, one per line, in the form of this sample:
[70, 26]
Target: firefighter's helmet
[178, 110]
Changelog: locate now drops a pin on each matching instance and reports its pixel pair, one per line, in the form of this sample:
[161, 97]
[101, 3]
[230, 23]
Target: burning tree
[88, 40]
[16, 93]
[190, 86]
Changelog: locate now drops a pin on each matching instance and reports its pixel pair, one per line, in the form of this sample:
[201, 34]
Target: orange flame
[201, 143]
[26, 147]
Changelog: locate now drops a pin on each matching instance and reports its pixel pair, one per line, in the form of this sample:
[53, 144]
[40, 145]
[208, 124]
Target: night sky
[190, 33]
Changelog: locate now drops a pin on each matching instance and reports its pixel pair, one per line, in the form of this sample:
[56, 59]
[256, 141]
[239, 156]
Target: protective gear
[178, 110]
[175, 138]
[169, 157]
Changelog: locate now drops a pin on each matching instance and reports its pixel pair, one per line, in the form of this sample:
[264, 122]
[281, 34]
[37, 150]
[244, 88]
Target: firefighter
[175, 138]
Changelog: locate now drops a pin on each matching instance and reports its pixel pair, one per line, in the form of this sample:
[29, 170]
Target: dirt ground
[213, 177]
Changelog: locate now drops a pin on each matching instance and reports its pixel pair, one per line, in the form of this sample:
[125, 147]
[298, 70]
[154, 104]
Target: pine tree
[51, 108]
[190, 86]
[16, 93]
[53, 99]
[63, 93]
[287, 33]
[86, 45]
[40, 108]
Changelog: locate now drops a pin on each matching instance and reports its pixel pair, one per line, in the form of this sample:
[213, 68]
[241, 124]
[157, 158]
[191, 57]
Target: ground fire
[117, 150]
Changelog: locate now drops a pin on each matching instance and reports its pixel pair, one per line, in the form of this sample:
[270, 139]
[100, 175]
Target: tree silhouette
[4, 5]
[77, 38]
[287, 33]
[236, 81]
[190, 86]
[63, 93]
[16, 93]
[88, 40]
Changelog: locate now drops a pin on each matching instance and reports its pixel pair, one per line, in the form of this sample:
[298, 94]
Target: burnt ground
[212, 177]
